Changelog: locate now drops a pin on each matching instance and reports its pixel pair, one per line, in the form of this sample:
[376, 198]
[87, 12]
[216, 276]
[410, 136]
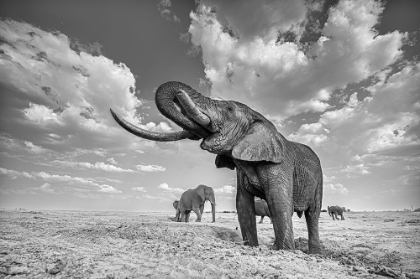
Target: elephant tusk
[192, 109]
[174, 136]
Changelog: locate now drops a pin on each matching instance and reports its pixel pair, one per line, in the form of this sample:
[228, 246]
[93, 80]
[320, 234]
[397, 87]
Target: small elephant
[177, 215]
[261, 209]
[335, 210]
[194, 199]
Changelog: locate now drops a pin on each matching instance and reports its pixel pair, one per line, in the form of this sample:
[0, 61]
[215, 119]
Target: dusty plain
[77, 244]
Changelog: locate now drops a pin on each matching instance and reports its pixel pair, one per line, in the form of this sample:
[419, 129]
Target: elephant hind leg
[312, 223]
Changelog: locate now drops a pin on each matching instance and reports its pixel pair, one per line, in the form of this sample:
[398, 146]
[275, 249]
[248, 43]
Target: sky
[341, 76]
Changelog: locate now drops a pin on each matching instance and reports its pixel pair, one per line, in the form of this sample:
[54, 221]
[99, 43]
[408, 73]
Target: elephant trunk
[174, 136]
[213, 212]
[192, 109]
[169, 105]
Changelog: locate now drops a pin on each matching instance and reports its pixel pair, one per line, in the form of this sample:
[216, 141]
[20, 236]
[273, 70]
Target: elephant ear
[200, 192]
[223, 161]
[261, 143]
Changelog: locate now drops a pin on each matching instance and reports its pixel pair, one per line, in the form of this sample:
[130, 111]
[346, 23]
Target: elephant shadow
[226, 234]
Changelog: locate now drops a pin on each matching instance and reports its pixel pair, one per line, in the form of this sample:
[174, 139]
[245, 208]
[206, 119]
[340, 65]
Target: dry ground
[75, 244]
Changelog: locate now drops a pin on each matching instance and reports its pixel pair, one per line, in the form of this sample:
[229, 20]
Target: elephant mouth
[192, 111]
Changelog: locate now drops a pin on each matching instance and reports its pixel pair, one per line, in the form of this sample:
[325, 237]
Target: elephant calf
[335, 210]
[177, 215]
[261, 209]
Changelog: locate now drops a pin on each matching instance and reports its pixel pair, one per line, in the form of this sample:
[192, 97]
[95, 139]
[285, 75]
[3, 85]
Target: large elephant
[194, 199]
[286, 174]
[261, 209]
[335, 210]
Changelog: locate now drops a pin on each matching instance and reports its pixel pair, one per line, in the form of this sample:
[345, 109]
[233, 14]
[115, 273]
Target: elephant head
[206, 193]
[226, 127]
[175, 204]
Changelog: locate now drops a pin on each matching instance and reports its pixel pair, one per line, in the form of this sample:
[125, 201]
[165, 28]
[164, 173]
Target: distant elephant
[261, 209]
[194, 199]
[287, 174]
[335, 210]
[177, 215]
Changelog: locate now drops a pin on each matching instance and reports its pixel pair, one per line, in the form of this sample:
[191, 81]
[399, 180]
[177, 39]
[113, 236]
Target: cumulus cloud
[245, 60]
[66, 91]
[384, 122]
[150, 168]
[165, 187]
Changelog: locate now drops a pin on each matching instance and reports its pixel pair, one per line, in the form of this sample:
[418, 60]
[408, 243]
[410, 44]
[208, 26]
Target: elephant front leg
[183, 216]
[246, 212]
[278, 187]
[197, 211]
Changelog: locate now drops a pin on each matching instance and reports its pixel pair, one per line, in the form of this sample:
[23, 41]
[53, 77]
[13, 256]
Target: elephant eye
[229, 109]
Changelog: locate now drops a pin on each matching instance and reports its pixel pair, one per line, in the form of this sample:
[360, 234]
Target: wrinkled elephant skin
[261, 209]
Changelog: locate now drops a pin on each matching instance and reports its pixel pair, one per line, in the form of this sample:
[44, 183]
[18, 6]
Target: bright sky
[341, 76]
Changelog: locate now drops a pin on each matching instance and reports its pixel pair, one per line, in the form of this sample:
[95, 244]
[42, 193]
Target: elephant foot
[314, 250]
[283, 246]
[198, 220]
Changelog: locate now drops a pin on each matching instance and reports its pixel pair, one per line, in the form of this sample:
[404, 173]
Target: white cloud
[225, 190]
[139, 189]
[34, 148]
[112, 161]
[41, 114]
[150, 168]
[335, 189]
[86, 165]
[73, 182]
[245, 61]
[67, 93]
[46, 188]
[165, 187]
[108, 189]
[147, 196]
[387, 121]
[163, 8]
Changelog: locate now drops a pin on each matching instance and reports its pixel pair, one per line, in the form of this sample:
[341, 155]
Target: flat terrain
[76, 244]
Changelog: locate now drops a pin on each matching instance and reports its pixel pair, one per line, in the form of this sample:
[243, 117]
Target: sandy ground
[75, 244]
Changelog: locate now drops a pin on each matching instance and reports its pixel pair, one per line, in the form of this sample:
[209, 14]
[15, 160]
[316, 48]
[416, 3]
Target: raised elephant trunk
[171, 107]
[148, 134]
[176, 101]
[192, 109]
